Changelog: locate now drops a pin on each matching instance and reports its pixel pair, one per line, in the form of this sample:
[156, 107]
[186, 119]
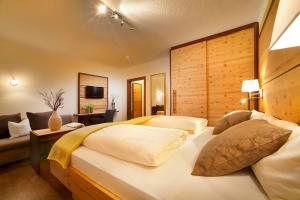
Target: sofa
[14, 149]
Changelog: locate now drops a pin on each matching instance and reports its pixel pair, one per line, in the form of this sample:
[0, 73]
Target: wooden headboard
[279, 74]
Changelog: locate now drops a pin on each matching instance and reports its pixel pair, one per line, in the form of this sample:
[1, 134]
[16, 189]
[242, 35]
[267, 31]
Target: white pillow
[260, 115]
[279, 173]
[19, 129]
[191, 124]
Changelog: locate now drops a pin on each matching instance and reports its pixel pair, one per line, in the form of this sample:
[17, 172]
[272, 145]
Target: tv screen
[93, 92]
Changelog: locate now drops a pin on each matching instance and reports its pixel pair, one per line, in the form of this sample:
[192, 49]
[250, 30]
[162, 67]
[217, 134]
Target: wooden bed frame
[81, 186]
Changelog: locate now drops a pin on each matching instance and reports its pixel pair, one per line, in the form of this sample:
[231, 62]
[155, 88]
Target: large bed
[118, 179]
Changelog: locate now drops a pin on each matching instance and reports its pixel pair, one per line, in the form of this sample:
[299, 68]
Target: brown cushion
[38, 120]
[66, 119]
[4, 119]
[231, 119]
[238, 147]
[6, 144]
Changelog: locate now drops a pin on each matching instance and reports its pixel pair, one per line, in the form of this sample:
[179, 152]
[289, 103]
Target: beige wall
[159, 65]
[46, 71]
[38, 70]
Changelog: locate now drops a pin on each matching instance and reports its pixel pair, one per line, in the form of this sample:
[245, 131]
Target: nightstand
[41, 142]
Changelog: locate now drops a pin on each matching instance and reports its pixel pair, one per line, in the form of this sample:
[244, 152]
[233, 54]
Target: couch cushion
[38, 120]
[8, 143]
[66, 119]
[4, 119]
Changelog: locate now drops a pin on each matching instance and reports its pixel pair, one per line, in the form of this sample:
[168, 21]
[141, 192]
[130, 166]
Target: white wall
[45, 71]
[159, 65]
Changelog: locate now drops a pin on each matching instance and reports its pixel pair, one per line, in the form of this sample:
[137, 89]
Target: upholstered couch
[13, 149]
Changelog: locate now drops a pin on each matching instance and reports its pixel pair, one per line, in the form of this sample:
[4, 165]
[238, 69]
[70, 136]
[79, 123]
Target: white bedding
[145, 145]
[170, 181]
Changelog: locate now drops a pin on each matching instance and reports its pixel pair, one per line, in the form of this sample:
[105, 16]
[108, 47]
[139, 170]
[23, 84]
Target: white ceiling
[71, 27]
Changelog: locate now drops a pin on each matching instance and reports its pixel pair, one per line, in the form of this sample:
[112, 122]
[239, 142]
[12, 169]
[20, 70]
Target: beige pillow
[238, 147]
[231, 119]
[190, 124]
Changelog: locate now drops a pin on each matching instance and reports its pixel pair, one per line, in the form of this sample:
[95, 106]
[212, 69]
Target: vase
[113, 105]
[55, 121]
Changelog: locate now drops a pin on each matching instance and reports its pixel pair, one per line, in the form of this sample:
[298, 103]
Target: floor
[18, 181]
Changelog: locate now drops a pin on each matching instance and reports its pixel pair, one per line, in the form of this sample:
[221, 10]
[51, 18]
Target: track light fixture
[103, 9]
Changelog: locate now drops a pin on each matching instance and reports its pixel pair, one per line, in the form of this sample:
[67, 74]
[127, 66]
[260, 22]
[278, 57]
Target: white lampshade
[290, 37]
[286, 29]
[250, 86]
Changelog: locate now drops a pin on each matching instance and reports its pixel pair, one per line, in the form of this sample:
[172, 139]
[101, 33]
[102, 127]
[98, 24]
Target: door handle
[174, 101]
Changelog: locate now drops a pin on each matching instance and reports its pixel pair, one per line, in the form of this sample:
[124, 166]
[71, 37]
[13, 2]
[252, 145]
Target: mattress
[172, 180]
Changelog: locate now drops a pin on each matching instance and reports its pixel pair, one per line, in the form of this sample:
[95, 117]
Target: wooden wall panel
[100, 105]
[230, 60]
[279, 74]
[189, 81]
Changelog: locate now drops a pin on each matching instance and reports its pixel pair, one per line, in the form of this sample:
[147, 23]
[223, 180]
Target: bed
[93, 175]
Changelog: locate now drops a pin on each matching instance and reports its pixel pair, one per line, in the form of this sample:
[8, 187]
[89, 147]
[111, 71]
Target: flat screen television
[92, 92]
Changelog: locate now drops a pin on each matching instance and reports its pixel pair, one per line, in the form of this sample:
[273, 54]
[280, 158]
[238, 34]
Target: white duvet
[149, 146]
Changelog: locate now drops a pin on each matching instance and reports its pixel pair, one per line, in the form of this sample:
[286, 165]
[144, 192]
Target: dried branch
[53, 100]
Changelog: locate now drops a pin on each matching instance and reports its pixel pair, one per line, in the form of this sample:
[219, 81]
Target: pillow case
[4, 119]
[190, 124]
[238, 147]
[38, 120]
[231, 119]
[279, 173]
[19, 129]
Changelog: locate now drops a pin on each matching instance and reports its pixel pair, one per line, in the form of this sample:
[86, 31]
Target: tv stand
[85, 118]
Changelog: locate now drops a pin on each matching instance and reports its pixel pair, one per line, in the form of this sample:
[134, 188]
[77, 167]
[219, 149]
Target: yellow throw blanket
[63, 148]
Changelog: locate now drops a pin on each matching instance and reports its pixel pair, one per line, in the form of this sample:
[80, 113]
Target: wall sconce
[14, 82]
[290, 37]
[253, 90]
[286, 29]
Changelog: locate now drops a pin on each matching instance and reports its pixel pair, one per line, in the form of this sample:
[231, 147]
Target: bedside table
[41, 142]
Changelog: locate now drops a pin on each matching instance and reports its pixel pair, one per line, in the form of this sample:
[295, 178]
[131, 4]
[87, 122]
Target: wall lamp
[253, 90]
[14, 82]
[103, 9]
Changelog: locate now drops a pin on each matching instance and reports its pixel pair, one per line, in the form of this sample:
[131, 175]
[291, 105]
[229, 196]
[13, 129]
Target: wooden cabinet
[206, 75]
[188, 81]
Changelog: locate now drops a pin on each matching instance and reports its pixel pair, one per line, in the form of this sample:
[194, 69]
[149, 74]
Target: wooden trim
[165, 91]
[267, 15]
[78, 88]
[279, 75]
[256, 59]
[129, 95]
[81, 186]
[254, 24]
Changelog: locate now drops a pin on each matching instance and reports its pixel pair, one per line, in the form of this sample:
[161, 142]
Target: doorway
[136, 97]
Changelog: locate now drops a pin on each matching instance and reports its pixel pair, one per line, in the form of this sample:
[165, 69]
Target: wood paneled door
[137, 100]
[136, 97]
[207, 74]
[188, 81]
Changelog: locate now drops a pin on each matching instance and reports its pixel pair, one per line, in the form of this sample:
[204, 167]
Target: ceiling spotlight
[122, 23]
[115, 16]
[101, 8]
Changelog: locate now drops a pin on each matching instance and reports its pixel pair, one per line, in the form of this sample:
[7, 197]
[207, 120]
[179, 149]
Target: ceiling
[72, 28]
